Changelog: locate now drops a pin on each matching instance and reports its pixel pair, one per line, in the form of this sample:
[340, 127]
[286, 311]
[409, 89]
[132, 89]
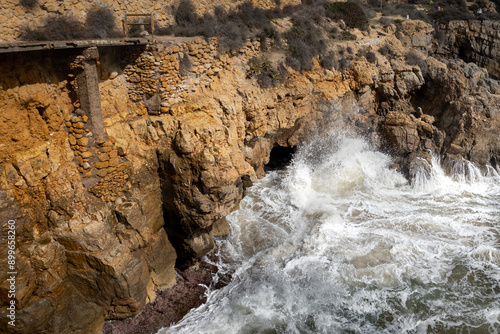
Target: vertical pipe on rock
[88, 91]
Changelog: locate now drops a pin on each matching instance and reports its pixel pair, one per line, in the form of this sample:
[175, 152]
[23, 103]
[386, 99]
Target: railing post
[152, 26]
[125, 25]
[88, 91]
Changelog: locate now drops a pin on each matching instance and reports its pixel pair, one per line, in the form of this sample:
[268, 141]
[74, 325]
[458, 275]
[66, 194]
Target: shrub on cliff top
[489, 16]
[100, 23]
[386, 50]
[459, 4]
[185, 13]
[28, 3]
[369, 55]
[56, 28]
[385, 21]
[327, 60]
[448, 14]
[304, 42]
[252, 17]
[232, 28]
[351, 13]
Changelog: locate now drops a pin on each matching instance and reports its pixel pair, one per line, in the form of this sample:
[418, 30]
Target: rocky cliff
[96, 219]
[101, 223]
[473, 41]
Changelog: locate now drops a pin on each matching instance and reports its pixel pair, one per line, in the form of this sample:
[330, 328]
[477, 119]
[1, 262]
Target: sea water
[339, 242]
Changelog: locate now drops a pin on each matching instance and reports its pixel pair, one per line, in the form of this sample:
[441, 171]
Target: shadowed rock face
[101, 225]
[473, 41]
[172, 304]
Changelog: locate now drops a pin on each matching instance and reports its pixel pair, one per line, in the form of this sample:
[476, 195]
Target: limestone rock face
[80, 260]
[469, 113]
[474, 41]
[417, 34]
[401, 132]
[457, 118]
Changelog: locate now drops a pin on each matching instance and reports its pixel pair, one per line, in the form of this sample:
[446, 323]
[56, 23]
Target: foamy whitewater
[341, 243]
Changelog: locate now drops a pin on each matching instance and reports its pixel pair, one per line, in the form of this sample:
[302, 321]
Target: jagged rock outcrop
[475, 41]
[417, 34]
[466, 110]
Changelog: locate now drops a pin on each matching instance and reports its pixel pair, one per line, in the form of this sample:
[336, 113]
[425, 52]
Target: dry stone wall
[13, 16]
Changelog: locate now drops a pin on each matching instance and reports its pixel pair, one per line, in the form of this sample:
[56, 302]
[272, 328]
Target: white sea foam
[341, 243]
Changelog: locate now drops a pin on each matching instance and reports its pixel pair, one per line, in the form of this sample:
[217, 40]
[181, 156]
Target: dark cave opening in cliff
[280, 157]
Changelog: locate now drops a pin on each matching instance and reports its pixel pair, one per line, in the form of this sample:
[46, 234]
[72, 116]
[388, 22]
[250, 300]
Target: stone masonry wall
[13, 16]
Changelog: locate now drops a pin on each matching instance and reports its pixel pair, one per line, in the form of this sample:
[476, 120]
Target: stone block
[101, 164]
[106, 149]
[102, 172]
[114, 162]
[103, 157]
[72, 140]
[113, 154]
[83, 141]
[86, 155]
[78, 125]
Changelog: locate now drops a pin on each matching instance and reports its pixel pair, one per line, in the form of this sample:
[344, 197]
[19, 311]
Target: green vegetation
[263, 70]
[369, 55]
[386, 50]
[349, 36]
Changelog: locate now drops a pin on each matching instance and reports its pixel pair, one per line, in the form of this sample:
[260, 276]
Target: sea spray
[341, 243]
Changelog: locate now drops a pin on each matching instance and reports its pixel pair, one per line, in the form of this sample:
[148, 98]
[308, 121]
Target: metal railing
[126, 23]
